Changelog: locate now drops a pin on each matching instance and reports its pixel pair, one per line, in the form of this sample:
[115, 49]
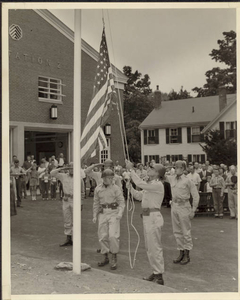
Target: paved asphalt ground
[37, 231]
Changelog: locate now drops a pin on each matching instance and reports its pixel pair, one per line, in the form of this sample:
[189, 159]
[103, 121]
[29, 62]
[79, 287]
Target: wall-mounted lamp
[53, 112]
[108, 129]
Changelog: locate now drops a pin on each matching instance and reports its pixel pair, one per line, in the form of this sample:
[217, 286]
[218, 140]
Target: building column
[18, 143]
[70, 147]
[142, 145]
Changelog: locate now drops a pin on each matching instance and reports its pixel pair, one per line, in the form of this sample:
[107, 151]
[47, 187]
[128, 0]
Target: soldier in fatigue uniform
[151, 196]
[108, 207]
[97, 176]
[67, 182]
[181, 211]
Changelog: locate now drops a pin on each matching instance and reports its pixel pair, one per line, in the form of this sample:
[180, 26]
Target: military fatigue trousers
[68, 216]
[181, 224]
[152, 226]
[109, 231]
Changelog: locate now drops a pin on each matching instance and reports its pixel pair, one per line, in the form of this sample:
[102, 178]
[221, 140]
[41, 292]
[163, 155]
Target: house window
[230, 130]
[151, 136]
[196, 134]
[174, 158]
[173, 135]
[148, 158]
[50, 89]
[105, 154]
[200, 158]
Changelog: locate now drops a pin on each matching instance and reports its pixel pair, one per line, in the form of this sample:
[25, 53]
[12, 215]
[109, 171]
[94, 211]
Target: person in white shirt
[207, 187]
[197, 168]
[55, 161]
[194, 177]
[141, 172]
[61, 160]
[117, 166]
[208, 167]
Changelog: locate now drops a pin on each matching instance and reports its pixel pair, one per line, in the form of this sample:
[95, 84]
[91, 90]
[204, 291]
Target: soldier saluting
[67, 203]
[181, 210]
[108, 207]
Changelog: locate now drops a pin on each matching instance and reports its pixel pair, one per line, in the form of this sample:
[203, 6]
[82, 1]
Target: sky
[172, 46]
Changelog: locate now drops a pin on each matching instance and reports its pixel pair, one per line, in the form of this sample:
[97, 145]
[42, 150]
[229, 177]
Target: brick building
[41, 76]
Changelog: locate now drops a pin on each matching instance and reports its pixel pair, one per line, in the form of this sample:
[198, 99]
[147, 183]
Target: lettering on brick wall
[25, 57]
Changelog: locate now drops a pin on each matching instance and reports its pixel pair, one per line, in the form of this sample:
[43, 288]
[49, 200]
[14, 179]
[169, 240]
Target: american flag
[104, 92]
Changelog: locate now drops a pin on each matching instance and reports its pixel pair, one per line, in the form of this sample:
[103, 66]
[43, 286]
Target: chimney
[157, 95]
[222, 97]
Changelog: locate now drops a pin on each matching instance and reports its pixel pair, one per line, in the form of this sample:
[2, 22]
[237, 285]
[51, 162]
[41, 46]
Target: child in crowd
[46, 180]
[218, 185]
[53, 187]
[207, 188]
[33, 181]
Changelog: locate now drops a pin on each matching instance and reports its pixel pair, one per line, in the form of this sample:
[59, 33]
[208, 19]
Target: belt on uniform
[110, 205]
[217, 188]
[180, 200]
[147, 211]
[68, 195]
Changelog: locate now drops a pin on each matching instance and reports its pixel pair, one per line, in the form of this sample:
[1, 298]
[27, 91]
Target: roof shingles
[180, 112]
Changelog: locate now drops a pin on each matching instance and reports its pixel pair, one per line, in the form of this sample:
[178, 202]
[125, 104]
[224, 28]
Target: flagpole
[76, 144]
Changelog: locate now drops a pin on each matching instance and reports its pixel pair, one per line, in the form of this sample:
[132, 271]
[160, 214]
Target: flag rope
[130, 199]
[119, 96]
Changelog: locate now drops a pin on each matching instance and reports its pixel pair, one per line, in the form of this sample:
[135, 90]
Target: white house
[225, 121]
[172, 130]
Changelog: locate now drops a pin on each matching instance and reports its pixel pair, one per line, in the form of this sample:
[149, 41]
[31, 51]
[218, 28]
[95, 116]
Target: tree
[137, 106]
[182, 94]
[217, 77]
[220, 150]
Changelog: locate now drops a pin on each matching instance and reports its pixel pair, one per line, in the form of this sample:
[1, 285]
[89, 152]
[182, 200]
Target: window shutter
[145, 159]
[189, 136]
[156, 136]
[201, 135]
[157, 159]
[167, 135]
[189, 157]
[168, 157]
[145, 137]
[180, 135]
[221, 126]
[202, 158]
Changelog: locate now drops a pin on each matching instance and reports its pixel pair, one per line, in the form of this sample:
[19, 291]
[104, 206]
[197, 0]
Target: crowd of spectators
[217, 181]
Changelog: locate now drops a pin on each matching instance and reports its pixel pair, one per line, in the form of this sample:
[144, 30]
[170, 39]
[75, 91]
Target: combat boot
[150, 278]
[159, 279]
[114, 262]
[68, 242]
[180, 257]
[186, 258]
[105, 261]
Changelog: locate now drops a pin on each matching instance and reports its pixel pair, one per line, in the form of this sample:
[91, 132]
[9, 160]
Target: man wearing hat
[108, 207]
[181, 211]
[151, 196]
[97, 176]
[67, 203]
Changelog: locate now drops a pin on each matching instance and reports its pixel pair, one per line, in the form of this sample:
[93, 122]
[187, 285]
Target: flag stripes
[99, 110]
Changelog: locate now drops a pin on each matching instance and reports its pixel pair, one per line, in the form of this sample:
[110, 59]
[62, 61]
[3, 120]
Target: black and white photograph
[119, 151]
